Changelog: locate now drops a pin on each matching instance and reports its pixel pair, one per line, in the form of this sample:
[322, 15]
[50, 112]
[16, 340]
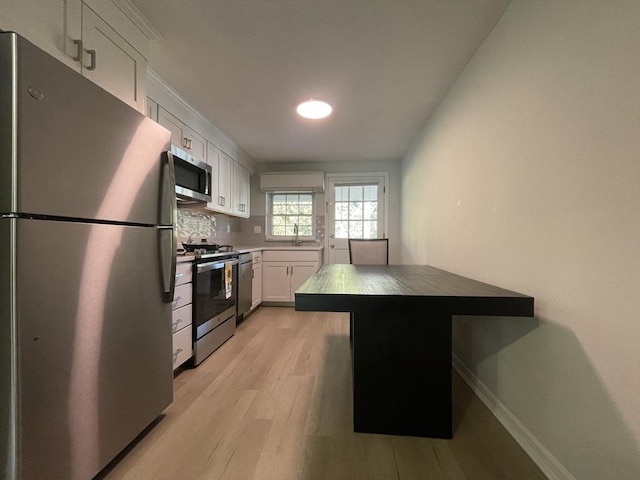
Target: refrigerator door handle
[167, 235]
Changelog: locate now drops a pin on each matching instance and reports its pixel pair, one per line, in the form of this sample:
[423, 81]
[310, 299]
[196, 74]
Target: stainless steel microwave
[193, 177]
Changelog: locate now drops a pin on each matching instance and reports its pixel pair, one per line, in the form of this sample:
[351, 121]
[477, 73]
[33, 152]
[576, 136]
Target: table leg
[402, 373]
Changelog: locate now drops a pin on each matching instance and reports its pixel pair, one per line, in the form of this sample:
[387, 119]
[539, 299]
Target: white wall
[528, 177]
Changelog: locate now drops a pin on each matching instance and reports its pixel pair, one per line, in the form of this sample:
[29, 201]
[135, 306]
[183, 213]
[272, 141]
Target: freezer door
[81, 152]
[94, 343]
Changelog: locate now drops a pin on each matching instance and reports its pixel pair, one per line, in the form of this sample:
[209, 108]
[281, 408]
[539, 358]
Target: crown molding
[153, 75]
[135, 15]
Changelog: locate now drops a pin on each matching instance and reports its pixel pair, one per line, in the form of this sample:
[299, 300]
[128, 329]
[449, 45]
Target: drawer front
[180, 318]
[181, 346]
[257, 257]
[183, 272]
[290, 256]
[182, 296]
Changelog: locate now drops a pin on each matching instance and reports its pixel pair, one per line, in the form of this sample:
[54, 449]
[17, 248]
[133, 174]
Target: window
[356, 211]
[285, 210]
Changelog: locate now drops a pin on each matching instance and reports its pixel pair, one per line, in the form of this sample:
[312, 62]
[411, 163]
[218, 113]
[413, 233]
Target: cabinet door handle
[92, 55]
[189, 143]
[178, 275]
[184, 142]
[176, 300]
[292, 270]
[79, 51]
[287, 270]
[175, 324]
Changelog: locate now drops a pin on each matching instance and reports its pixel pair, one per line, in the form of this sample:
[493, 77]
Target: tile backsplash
[198, 223]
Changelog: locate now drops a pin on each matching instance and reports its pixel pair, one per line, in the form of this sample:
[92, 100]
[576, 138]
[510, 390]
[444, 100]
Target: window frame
[269, 218]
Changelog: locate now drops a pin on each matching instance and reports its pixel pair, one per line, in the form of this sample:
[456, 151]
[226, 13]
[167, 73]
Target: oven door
[215, 292]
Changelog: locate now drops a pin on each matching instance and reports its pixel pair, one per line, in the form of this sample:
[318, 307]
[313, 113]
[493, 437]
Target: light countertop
[315, 248]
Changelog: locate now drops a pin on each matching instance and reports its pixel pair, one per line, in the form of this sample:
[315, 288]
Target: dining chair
[373, 251]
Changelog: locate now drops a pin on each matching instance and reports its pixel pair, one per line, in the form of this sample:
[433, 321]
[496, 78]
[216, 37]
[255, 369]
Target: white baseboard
[550, 465]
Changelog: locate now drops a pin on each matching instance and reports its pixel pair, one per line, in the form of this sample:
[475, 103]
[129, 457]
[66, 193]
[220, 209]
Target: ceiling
[384, 65]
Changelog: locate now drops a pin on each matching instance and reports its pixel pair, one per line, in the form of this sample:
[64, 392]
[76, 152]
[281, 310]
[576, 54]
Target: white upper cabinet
[111, 62]
[182, 135]
[77, 35]
[225, 175]
[221, 164]
[152, 110]
[49, 24]
[241, 179]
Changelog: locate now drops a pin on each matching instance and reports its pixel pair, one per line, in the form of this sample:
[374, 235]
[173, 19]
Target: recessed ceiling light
[314, 109]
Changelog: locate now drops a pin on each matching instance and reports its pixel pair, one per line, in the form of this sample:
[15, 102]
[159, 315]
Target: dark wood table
[401, 338]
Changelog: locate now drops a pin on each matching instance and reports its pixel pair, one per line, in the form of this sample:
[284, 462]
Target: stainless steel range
[215, 293]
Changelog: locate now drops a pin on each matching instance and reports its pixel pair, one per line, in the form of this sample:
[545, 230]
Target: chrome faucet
[296, 241]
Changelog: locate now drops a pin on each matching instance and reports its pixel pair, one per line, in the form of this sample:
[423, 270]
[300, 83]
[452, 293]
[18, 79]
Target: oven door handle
[206, 267]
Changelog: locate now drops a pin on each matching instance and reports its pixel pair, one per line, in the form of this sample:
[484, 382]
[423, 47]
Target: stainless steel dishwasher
[245, 280]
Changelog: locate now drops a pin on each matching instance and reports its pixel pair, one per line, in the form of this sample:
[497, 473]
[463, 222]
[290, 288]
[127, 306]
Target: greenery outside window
[285, 210]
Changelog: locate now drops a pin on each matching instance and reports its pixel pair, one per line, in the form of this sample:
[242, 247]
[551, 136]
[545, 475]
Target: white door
[356, 208]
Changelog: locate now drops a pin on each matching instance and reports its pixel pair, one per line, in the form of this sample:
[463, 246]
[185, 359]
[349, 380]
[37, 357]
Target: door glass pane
[342, 229]
[342, 210]
[355, 193]
[355, 229]
[371, 192]
[355, 210]
[370, 229]
[370, 210]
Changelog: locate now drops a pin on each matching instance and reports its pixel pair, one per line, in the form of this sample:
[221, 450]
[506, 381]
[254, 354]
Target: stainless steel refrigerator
[87, 247]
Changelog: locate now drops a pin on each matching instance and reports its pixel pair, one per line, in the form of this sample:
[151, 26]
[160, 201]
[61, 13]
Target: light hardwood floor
[274, 403]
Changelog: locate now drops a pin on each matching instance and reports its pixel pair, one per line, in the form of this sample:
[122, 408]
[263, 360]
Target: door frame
[365, 177]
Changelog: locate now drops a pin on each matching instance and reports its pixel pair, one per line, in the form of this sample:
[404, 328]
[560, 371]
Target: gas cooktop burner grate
[206, 248]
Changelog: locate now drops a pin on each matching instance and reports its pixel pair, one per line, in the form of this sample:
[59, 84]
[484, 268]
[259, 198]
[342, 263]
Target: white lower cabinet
[181, 318]
[256, 283]
[284, 271]
[181, 346]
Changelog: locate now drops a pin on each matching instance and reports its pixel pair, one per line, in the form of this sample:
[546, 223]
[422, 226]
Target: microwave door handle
[167, 235]
[207, 187]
